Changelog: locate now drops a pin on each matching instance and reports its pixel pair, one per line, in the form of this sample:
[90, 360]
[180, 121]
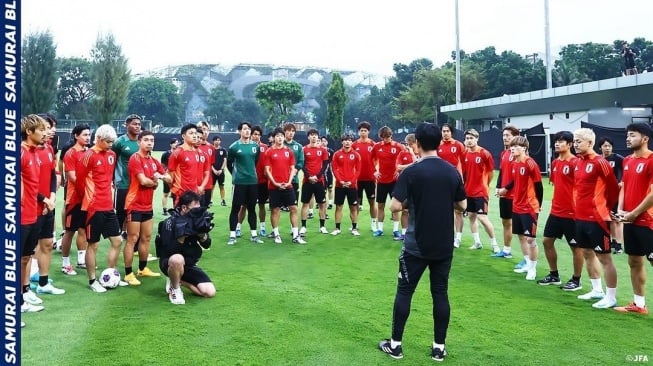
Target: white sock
[295, 232]
[611, 293]
[262, 225]
[493, 241]
[275, 230]
[507, 249]
[640, 301]
[232, 234]
[331, 202]
[403, 231]
[438, 346]
[395, 226]
[34, 267]
[254, 234]
[459, 236]
[596, 284]
[65, 261]
[81, 256]
[477, 237]
[238, 226]
[533, 265]
[310, 211]
[394, 344]
[528, 263]
[379, 226]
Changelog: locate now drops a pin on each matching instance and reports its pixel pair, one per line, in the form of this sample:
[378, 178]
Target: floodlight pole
[457, 64]
[547, 41]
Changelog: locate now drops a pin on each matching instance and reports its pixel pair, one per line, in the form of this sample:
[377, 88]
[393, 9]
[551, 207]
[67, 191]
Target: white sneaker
[49, 289]
[456, 243]
[68, 270]
[592, 295]
[298, 240]
[336, 232]
[30, 297]
[167, 285]
[476, 246]
[605, 303]
[122, 283]
[302, 231]
[323, 230]
[29, 308]
[495, 249]
[176, 296]
[531, 274]
[277, 239]
[523, 269]
[355, 232]
[96, 287]
[151, 258]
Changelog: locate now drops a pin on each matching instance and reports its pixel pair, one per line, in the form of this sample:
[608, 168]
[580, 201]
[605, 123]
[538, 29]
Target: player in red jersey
[366, 181]
[561, 220]
[75, 219]
[404, 160]
[32, 132]
[280, 169]
[636, 209]
[95, 180]
[505, 202]
[478, 169]
[206, 180]
[596, 191]
[385, 154]
[346, 165]
[316, 161]
[526, 186]
[453, 151]
[47, 189]
[185, 166]
[144, 175]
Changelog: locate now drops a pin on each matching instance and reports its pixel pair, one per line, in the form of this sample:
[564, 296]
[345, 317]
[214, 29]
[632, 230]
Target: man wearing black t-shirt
[166, 187]
[430, 189]
[616, 162]
[219, 165]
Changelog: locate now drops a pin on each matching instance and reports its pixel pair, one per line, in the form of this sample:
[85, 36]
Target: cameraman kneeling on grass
[179, 245]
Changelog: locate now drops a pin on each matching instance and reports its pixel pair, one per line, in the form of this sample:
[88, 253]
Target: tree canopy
[39, 77]
[110, 76]
[278, 97]
[156, 98]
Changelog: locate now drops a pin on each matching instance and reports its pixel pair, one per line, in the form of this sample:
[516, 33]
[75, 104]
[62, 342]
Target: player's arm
[643, 206]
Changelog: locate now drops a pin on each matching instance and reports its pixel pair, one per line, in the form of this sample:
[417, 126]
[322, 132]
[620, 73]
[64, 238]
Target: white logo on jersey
[565, 170]
[640, 168]
[352, 156]
[589, 168]
[454, 149]
[611, 164]
[319, 153]
[393, 150]
[369, 148]
[511, 158]
[478, 160]
[110, 160]
[285, 153]
[254, 149]
[522, 171]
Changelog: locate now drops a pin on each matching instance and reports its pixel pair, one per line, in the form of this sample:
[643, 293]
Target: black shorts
[638, 240]
[263, 193]
[313, 189]
[342, 192]
[556, 227]
[139, 216]
[383, 191]
[218, 179]
[193, 275]
[368, 187]
[593, 235]
[166, 187]
[282, 198]
[524, 224]
[103, 223]
[505, 208]
[244, 195]
[75, 218]
[29, 238]
[329, 179]
[46, 225]
[477, 205]
[121, 196]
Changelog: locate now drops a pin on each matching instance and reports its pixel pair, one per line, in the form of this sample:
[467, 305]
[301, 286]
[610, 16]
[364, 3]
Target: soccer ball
[110, 278]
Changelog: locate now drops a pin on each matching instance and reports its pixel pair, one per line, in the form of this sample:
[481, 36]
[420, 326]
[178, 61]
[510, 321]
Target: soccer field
[329, 303]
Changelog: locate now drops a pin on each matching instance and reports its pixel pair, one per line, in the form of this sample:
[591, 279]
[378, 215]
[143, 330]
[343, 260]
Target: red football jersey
[364, 149]
[47, 162]
[29, 184]
[562, 177]
[186, 170]
[260, 165]
[95, 178]
[70, 160]
[386, 153]
[525, 175]
[281, 161]
[346, 166]
[405, 158]
[505, 167]
[596, 189]
[208, 159]
[453, 152]
[477, 167]
[139, 198]
[637, 179]
[314, 158]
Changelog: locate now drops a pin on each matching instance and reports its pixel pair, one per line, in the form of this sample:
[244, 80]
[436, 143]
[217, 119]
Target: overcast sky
[348, 35]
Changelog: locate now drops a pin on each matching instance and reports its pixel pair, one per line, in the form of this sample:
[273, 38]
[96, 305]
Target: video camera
[198, 221]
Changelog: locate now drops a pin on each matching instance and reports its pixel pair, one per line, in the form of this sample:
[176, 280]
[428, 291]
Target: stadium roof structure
[623, 92]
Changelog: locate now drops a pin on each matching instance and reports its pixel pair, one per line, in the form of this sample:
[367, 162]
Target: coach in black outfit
[431, 189]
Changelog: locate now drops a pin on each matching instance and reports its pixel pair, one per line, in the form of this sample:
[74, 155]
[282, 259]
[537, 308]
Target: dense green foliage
[38, 70]
[335, 98]
[110, 76]
[156, 98]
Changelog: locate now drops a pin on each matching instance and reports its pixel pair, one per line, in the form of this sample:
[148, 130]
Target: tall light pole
[457, 63]
[547, 41]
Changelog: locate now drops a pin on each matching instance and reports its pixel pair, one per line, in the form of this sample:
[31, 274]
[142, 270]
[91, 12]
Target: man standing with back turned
[430, 189]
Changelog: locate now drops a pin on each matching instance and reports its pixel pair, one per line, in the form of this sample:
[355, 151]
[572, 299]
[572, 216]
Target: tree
[278, 97]
[220, 104]
[74, 90]
[38, 69]
[110, 79]
[595, 60]
[335, 100]
[246, 110]
[156, 98]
